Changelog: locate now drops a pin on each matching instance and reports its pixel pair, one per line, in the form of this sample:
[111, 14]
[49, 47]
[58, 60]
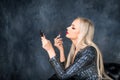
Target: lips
[66, 32]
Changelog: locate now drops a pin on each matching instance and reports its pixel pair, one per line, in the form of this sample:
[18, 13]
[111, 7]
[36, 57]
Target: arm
[58, 43]
[87, 56]
[46, 44]
[62, 56]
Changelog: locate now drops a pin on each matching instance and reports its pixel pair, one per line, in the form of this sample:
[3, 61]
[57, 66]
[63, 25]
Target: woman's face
[73, 30]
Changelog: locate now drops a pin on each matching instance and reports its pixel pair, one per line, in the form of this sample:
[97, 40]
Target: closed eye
[73, 28]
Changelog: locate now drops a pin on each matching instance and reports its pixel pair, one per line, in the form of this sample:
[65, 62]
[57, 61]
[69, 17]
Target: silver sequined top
[83, 68]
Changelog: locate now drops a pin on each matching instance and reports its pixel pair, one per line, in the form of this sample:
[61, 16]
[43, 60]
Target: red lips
[66, 32]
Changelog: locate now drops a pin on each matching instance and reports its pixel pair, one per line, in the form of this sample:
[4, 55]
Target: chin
[68, 37]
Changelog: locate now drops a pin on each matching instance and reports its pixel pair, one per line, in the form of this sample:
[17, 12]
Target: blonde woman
[84, 61]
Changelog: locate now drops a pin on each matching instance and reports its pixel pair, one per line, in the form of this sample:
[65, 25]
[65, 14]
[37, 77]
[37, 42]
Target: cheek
[72, 35]
[75, 35]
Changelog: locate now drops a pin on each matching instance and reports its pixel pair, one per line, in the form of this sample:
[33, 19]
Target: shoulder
[89, 50]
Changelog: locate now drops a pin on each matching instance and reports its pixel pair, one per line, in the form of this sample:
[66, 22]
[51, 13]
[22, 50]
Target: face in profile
[73, 30]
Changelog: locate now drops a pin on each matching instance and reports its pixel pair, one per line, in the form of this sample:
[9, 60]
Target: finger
[60, 43]
[56, 40]
[58, 36]
[59, 39]
[43, 37]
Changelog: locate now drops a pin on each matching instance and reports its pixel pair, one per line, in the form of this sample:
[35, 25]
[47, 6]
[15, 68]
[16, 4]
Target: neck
[74, 42]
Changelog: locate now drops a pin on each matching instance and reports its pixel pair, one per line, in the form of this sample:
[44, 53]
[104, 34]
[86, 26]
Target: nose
[67, 28]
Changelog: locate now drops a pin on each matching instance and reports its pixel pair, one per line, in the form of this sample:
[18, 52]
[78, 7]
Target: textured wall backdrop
[21, 54]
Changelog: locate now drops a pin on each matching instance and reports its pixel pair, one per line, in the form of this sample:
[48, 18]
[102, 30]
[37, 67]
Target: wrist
[61, 50]
[51, 53]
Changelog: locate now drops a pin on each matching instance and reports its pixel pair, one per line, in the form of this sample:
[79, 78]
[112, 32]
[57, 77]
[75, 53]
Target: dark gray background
[21, 54]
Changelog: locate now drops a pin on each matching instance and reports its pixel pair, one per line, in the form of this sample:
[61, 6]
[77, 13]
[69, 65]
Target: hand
[46, 44]
[58, 43]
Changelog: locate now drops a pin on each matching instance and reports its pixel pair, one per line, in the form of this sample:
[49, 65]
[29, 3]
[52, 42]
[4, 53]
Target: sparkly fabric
[83, 68]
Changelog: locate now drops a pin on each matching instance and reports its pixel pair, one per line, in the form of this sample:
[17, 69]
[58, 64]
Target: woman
[84, 61]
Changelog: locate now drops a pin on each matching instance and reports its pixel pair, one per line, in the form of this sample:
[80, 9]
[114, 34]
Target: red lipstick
[66, 32]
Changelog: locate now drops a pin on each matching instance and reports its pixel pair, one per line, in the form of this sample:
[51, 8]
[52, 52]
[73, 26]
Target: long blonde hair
[85, 39]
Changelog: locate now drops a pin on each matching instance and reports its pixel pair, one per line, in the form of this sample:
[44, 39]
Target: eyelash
[73, 28]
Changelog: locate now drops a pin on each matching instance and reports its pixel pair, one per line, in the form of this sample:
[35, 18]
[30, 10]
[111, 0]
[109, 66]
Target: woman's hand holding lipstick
[58, 42]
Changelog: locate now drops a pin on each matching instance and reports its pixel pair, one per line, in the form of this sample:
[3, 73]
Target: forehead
[76, 22]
